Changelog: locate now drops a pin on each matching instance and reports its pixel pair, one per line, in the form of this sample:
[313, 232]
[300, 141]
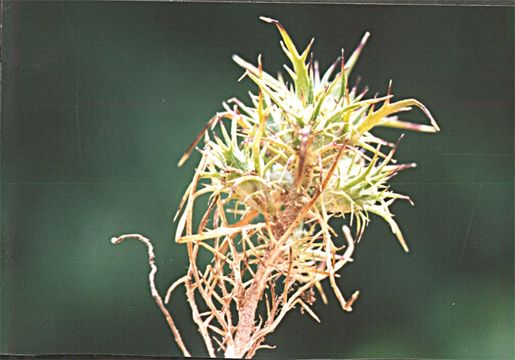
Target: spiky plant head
[302, 152]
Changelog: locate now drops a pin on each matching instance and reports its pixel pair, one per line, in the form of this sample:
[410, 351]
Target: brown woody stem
[153, 290]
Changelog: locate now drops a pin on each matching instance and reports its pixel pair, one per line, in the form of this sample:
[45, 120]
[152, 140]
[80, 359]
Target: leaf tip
[183, 159]
[269, 20]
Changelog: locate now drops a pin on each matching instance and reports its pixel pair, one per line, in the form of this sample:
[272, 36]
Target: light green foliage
[291, 136]
[276, 171]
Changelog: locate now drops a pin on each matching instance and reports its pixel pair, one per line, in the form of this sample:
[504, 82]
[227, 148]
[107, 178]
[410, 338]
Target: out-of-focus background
[101, 99]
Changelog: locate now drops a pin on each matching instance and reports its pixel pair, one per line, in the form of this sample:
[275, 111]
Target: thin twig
[153, 290]
[197, 318]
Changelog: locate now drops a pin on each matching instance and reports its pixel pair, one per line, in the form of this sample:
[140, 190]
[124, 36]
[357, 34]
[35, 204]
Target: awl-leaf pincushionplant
[275, 172]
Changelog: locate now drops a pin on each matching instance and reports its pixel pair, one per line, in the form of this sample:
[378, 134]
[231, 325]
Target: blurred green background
[101, 99]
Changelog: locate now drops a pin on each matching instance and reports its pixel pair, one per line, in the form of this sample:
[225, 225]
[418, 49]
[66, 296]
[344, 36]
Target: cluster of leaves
[276, 171]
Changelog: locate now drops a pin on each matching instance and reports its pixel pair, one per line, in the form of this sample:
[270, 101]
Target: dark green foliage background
[101, 99]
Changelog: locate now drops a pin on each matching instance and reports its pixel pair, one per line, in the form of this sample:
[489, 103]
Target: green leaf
[303, 83]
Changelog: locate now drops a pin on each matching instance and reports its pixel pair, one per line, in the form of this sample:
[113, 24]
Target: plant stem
[247, 312]
[153, 290]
